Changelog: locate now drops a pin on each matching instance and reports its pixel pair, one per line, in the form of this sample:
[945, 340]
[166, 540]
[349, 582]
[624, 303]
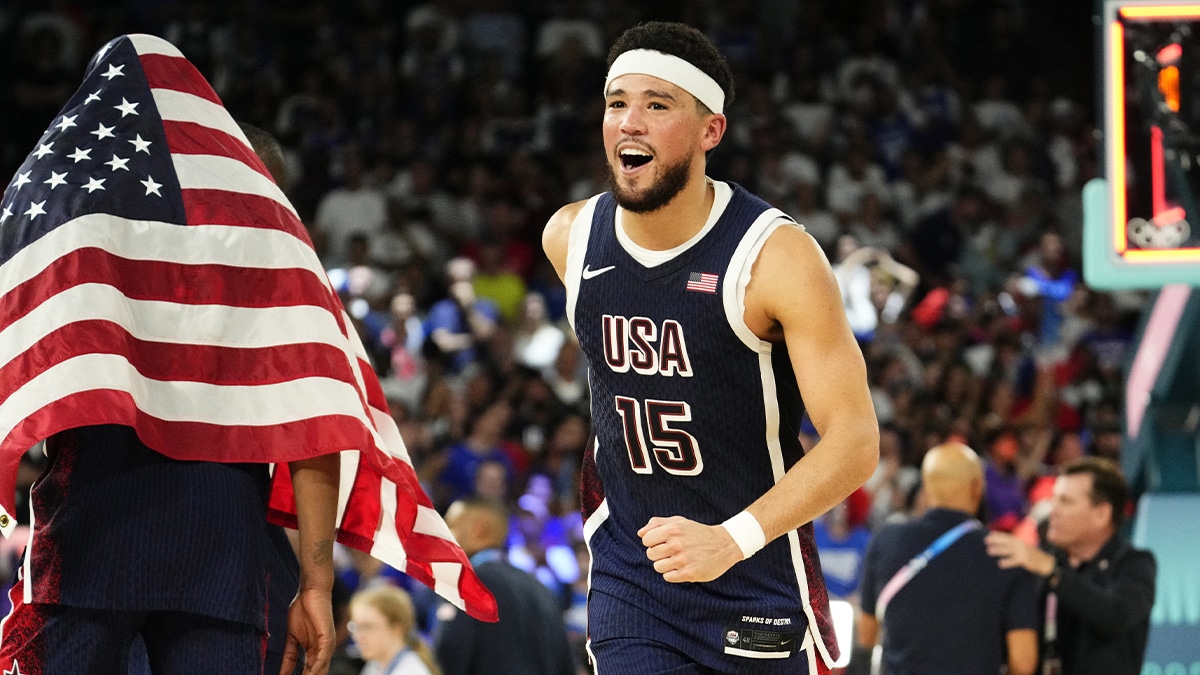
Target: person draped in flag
[712, 323]
[169, 330]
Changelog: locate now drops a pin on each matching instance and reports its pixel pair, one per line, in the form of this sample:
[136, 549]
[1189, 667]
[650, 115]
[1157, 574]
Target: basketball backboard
[1139, 229]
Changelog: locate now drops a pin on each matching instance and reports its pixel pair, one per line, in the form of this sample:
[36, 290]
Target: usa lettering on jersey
[639, 344]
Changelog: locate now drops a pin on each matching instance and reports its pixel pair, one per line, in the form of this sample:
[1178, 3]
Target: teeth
[637, 153]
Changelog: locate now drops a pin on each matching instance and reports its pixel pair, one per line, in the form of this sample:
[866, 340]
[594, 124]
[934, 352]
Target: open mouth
[633, 158]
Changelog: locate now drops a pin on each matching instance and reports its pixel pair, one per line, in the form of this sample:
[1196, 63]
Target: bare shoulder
[791, 270]
[790, 244]
[557, 233]
[790, 279]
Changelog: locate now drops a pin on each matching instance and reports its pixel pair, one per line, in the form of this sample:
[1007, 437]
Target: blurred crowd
[935, 148]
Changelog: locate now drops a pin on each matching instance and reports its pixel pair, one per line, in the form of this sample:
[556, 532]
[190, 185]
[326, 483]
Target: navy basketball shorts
[625, 639]
[46, 639]
[640, 655]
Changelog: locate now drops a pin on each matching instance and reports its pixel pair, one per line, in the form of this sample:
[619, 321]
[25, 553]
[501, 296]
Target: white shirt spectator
[845, 191]
[811, 121]
[343, 212]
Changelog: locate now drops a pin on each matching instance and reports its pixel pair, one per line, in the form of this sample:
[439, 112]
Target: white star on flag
[94, 184]
[140, 145]
[126, 107]
[16, 669]
[117, 163]
[114, 71]
[66, 122]
[43, 150]
[94, 96]
[56, 179]
[151, 186]
[103, 131]
[35, 209]
[5, 215]
[80, 154]
[22, 178]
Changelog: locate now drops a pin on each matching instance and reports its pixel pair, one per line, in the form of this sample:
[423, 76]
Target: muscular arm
[793, 291]
[310, 619]
[792, 295]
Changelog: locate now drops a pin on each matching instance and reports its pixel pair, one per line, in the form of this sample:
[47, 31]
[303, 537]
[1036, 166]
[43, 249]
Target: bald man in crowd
[942, 603]
[530, 638]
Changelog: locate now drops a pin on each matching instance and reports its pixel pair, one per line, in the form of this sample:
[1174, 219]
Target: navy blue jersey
[696, 416]
[119, 526]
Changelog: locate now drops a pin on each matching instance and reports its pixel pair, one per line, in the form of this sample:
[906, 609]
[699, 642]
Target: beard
[671, 181]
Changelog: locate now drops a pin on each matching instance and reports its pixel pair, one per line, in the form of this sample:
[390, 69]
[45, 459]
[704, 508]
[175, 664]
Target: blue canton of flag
[104, 153]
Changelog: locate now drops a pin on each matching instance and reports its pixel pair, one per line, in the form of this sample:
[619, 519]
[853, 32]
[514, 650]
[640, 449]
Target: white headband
[671, 69]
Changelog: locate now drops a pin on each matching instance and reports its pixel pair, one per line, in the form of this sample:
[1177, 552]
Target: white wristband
[746, 533]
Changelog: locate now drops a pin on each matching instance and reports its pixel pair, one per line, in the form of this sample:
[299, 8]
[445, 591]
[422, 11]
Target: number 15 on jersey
[649, 433]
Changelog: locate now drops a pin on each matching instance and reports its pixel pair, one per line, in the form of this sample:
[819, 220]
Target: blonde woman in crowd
[383, 622]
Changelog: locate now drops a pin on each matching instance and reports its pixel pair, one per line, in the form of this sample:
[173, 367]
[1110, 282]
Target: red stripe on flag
[189, 138]
[190, 440]
[168, 282]
[439, 549]
[363, 510]
[281, 504]
[171, 72]
[407, 491]
[165, 361]
[361, 519]
[218, 207]
[375, 396]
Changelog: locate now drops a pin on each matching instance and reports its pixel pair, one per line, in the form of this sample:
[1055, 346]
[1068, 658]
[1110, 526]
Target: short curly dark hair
[682, 40]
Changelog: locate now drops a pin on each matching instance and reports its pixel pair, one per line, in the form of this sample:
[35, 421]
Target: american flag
[703, 282]
[153, 275]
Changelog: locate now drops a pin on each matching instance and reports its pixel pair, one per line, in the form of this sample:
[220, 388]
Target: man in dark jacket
[1098, 589]
[530, 638]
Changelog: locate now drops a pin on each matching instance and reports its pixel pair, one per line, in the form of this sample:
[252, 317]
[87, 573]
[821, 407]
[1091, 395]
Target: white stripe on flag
[429, 522]
[349, 460]
[178, 106]
[387, 546]
[393, 442]
[241, 327]
[446, 576]
[257, 405]
[150, 44]
[213, 172]
[235, 246]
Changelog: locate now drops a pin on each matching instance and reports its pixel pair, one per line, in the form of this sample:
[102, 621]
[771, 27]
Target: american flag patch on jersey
[702, 282]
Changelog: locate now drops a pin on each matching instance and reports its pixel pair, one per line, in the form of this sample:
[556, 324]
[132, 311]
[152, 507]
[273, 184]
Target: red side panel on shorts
[22, 644]
[591, 490]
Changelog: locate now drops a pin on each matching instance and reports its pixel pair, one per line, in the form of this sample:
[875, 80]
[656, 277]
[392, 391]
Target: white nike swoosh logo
[589, 273]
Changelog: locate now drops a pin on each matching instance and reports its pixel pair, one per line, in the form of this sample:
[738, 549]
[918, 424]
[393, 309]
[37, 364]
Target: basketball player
[711, 323]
